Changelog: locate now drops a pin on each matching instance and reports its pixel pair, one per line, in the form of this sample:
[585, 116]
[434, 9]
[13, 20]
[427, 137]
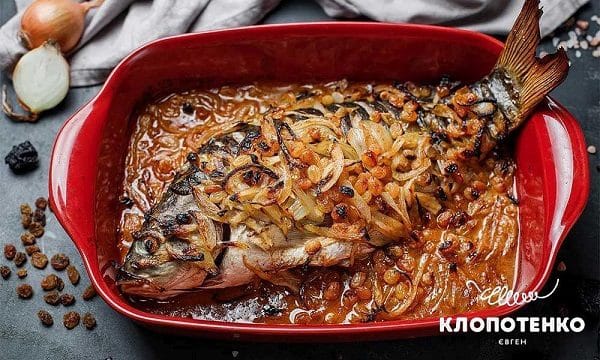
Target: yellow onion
[59, 20]
[40, 80]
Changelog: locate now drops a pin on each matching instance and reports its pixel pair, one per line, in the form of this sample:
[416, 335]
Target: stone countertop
[23, 337]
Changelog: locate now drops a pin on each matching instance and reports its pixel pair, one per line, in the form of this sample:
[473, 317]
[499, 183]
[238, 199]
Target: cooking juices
[466, 213]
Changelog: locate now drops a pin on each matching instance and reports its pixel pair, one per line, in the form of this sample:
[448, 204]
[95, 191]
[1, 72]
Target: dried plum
[22, 158]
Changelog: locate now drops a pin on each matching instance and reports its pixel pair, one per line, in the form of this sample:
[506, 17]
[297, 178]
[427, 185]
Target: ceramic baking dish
[88, 157]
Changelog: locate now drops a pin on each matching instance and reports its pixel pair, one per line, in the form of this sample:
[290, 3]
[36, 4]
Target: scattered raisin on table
[50, 282]
[22, 158]
[36, 229]
[26, 220]
[45, 318]
[5, 272]
[73, 274]
[41, 203]
[20, 259]
[89, 321]
[25, 291]
[71, 319]
[39, 216]
[89, 293]
[52, 298]
[31, 249]
[22, 273]
[67, 299]
[59, 261]
[27, 238]
[10, 251]
[61, 285]
[39, 260]
[26, 209]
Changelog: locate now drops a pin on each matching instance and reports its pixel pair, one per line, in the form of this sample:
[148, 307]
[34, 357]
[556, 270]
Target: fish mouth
[185, 279]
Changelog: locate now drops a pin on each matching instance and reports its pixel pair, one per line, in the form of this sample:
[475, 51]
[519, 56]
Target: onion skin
[61, 21]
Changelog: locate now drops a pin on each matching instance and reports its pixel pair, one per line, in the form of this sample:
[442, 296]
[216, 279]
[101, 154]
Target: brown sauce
[404, 280]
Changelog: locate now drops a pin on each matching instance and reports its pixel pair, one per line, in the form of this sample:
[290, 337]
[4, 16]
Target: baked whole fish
[332, 177]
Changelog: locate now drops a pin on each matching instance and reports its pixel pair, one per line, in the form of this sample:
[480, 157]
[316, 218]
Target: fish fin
[535, 77]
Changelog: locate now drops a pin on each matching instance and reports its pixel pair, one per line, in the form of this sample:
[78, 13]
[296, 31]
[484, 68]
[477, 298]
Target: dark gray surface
[22, 336]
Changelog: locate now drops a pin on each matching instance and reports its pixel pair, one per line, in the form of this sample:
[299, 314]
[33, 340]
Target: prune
[45, 318]
[71, 319]
[22, 158]
[59, 261]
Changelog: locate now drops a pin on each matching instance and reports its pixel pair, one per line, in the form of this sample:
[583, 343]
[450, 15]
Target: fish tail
[534, 78]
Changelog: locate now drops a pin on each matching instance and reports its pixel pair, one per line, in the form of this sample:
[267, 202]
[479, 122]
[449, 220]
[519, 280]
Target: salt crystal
[591, 149]
[596, 53]
[542, 54]
[555, 41]
[582, 24]
[594, 17]
[577, 54]
[584, 45]
[578, 31]
[235, 353]
[589, 37]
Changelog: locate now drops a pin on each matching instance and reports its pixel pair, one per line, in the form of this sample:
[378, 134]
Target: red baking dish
[88, 157]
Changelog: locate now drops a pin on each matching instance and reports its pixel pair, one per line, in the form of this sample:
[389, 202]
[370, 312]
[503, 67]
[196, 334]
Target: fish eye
[151, 245]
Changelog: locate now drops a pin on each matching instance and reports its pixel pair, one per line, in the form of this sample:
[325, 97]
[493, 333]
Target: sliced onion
[356, 138]
[413, 173]
[333, 171]
[40, 80]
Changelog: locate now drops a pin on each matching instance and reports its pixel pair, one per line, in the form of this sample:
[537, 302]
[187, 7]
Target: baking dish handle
[72, 168]
[572, 172]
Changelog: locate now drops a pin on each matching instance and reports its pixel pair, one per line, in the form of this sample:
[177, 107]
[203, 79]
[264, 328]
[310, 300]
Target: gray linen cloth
[119, 26]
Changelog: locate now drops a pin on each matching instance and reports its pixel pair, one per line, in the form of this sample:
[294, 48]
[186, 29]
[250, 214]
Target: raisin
[73, 274]
[41, 203]
[183, 218]
[37, 229]
[50, 282]
[347, 191]
[5, 272]
[22, 158]
[67, 299]
[25, 291]
[39, 260]
[452, 168]
[27, 238]
[59, 261]
[31, 249]
[45, 318]
[60, 284]
[89, 293]
[26, 209]
[22, 273]
[10, 251]
[20, 259]
[89, 321]
[39, 216]
[71, 319]
[26, 220]
[52, 298]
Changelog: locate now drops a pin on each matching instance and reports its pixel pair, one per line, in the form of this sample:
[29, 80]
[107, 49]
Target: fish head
[159, 266]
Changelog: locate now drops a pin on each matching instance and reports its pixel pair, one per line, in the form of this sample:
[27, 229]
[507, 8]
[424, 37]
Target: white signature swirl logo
[502, 295]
